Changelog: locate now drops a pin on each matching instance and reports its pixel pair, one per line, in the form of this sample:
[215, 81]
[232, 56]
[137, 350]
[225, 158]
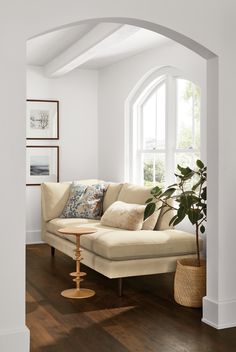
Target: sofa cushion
[117, 244]
[131, 193]
[54, 198]
[124, 216]
[54, 225]
[84, 201]
[111, 195]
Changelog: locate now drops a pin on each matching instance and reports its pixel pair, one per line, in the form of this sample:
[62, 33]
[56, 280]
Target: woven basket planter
[190, 283]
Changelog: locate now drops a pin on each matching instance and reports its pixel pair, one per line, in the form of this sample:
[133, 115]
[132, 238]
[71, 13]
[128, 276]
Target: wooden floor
[145, 319]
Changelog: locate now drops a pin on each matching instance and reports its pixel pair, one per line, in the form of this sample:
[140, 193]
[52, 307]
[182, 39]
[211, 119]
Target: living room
[96, 107]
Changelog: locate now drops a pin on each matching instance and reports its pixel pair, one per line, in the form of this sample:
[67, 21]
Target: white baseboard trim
[15, 340]
[219, 314]
[33, 237]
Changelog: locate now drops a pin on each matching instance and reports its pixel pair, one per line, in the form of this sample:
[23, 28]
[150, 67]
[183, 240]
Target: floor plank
[145, 319]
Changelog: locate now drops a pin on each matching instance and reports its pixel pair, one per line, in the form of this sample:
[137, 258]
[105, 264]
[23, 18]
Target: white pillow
[124, 216]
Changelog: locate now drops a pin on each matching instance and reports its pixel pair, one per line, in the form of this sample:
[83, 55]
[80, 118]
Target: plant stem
[197, 242]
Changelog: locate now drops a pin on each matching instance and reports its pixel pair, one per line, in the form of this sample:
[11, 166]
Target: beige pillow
[124, 216]
[131, 193]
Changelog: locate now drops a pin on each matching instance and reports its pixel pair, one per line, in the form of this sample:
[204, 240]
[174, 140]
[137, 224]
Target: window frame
[169, 76]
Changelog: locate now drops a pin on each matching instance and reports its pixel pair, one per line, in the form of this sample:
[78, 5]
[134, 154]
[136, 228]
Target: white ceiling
[118, 44]
[43, 49]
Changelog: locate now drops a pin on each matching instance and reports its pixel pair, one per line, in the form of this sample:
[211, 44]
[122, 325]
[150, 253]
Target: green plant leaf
[178, 220]
[204, 193]
[156, 190]
[192, 216]
[149, 210]
[202, 229]
[168, 193]
[200, 164]
[184, 170]
[149, 200]
[173, 219]
[181, 212]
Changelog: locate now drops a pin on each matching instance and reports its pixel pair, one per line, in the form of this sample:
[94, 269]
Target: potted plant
[189, 200]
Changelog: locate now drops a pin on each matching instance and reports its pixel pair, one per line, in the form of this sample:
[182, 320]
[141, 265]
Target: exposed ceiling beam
[92, 43]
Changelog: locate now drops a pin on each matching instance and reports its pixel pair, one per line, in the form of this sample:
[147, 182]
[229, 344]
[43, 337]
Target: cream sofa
[113, 252]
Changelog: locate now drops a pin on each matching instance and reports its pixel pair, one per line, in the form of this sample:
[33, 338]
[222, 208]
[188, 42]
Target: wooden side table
[77, 292]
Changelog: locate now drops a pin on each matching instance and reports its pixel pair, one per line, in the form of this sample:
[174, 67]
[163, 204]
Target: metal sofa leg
[120, 287]
[52, 251]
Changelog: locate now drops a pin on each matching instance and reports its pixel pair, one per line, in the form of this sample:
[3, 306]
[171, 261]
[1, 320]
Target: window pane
[149, 122]
[184, 114]
[154, 169]
[197, 114]
[161, 116]
[184, 159]
[153, 117]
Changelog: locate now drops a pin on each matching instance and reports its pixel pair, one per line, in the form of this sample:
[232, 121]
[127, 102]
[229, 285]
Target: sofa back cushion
[55, 196]
[136, 194]
[165, 217]
[111, 195]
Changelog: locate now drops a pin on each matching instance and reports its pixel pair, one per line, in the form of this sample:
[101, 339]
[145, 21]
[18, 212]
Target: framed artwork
[42, 164]
[42, 119]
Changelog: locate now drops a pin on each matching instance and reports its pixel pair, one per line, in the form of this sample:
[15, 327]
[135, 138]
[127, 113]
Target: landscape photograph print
[42, 164]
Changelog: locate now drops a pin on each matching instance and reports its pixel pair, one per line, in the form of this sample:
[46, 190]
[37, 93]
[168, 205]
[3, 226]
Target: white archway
[212, 118]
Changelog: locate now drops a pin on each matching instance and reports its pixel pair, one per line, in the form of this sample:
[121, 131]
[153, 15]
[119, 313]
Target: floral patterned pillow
[84, 201]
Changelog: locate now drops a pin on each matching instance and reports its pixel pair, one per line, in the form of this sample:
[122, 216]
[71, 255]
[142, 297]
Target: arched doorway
[211, 87]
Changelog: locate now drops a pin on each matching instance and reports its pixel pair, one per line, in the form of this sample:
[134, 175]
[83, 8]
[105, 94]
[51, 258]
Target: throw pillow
[85, 201]
[124, 216]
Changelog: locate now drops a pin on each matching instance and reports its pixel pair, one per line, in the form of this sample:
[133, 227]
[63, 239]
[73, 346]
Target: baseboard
[15, 340]
[219, 315]
[33, 237]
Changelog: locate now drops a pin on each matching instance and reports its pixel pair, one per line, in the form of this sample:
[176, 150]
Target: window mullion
[170, 128]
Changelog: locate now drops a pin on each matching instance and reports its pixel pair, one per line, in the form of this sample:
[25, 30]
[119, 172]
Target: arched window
[164, 129]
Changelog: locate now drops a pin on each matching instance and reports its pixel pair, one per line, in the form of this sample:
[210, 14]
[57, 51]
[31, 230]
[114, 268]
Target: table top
[77, 230]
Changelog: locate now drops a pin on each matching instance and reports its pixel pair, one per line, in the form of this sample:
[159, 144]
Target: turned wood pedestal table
[77, 292]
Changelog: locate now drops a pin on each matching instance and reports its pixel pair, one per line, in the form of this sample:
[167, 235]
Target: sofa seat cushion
[117, 244]
[54, 225]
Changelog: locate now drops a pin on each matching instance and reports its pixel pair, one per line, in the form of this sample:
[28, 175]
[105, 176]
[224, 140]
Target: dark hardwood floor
[145, 319]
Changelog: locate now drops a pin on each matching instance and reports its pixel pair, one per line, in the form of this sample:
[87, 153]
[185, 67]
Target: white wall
[198, 24]
[115, 84]
[77, 95]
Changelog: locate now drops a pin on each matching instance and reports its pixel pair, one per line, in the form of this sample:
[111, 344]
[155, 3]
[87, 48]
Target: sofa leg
[52, 251]
[120, 287]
